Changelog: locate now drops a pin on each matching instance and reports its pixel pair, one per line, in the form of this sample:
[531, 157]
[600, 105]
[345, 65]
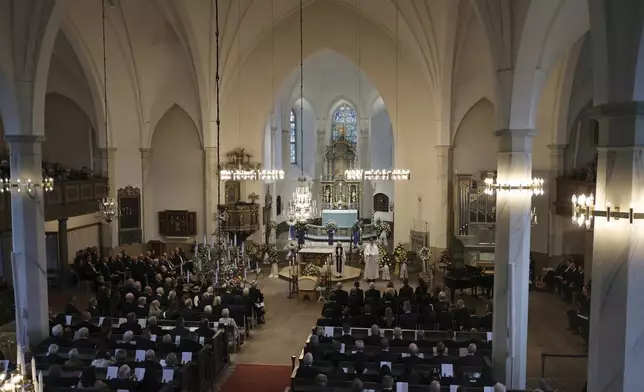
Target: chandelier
[377, 175]
[302, 206]
[251, 175]
[107, 208]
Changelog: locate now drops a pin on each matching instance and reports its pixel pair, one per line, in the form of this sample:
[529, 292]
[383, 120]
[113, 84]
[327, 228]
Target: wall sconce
[584, 211]
[534, 186]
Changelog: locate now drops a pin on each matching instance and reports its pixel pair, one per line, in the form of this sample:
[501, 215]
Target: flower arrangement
[272, 225]
[384, 257]
[381, 227]
[446, 258]
[331, 226]
[400, 253]
[271, 252]
[425, 253]
[310, 270]
[301, 225]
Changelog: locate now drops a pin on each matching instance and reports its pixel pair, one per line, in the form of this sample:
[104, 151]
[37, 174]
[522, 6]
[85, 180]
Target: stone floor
[289, 321]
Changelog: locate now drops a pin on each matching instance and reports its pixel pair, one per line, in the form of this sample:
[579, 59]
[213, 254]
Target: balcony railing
[67, 199]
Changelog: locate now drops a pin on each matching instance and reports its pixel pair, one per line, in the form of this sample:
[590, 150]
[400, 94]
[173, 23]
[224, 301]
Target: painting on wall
[175, 223]
[129, 204]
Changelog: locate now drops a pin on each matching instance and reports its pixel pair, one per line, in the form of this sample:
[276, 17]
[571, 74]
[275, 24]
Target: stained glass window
[344, 123]
[293, 138]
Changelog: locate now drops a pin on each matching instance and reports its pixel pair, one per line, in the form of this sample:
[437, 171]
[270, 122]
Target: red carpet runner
[258, 378]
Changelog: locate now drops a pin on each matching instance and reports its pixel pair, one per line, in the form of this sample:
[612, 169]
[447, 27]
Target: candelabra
[18, 185]
[302, 206]
[252, 175]
[534, 186]
[377, 175]
[107, 209]
[584, 211]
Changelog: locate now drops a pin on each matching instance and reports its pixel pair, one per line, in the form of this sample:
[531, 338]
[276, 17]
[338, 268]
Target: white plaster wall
[381, 138]
[176, 170]
[68, 133]
[475, 146]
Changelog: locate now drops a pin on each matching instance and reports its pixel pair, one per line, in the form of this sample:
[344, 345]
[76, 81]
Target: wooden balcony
[67, 199]
[566, 187]
[242, 218]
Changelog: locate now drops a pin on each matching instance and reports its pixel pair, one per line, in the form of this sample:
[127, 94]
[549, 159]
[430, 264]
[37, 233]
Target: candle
[243, 248]
[235, 243]
[33, 369]
[41, 384]
[188, 276]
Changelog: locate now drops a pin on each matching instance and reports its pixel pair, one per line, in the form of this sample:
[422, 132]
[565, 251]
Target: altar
[343, 218]
[317, 256]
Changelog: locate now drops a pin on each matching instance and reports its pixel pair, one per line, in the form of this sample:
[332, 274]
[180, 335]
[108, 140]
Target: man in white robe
[371, 254]
[340, 258]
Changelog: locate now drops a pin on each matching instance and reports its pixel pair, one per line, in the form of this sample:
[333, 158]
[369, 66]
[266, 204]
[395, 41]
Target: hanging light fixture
[302, 206]
[107, 208]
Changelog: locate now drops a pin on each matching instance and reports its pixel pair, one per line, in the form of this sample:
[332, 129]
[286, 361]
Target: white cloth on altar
[385, 272]
[371, 254]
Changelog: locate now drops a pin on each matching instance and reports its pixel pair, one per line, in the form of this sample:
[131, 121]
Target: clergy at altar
[371, 254]
[340, 259]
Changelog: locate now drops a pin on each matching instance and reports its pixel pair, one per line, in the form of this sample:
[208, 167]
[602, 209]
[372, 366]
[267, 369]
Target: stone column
[286, 157]
[63, 253]
[615, 360]
[555, 230]
[365, 163]
[210, 189]
[443, 206]
[147, 195]
[512, 263]
[29, 260]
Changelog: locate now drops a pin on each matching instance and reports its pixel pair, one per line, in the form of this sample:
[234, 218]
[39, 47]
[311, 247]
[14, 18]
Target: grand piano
[468, 277]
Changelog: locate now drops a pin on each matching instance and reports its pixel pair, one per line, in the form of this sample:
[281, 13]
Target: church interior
[321, 195]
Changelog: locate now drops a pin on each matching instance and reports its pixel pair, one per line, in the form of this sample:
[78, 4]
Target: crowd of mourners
[406, 309]
[142, 291]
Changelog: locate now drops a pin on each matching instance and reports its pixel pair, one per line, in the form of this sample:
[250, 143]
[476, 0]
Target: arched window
[344, 124]
[293, 138]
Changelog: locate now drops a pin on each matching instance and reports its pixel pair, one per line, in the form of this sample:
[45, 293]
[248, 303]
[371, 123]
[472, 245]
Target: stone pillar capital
[443, 150]
[145, 152]
[24, 139]
[321, 133]
[364, 132]
[286, 132]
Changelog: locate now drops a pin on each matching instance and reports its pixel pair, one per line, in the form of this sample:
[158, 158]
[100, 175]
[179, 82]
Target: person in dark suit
[366, 319]
[360, 355]
[329, 320]
[190, 344]
[204, 330]
[314, 348]
[126, 343]
[471, 359]
[52, 356]
[166, 345]
[398, 341]
[123, 380]
[71, 309]
[306, 370]
[153, 327]
[149, 383]
[420, 340]
[92, 309]
[372, 293]
[384, 355]
[440, 356]
[105, 341]
[82, 340]
[485, 322]
[57, 337]
[142, 308]
[346, 337]
[406, 292]
[336, 372]
[86, 322]
[341, 296]
[336, 354]
[356, 299]
[131, 324]
[413, 359]
[144, 342]
[374, 337]
[150, 364]
[408, 320]
[180, 328]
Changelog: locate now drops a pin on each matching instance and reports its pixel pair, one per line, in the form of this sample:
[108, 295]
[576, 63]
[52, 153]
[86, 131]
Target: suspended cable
[218, 121]
[302, 88]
